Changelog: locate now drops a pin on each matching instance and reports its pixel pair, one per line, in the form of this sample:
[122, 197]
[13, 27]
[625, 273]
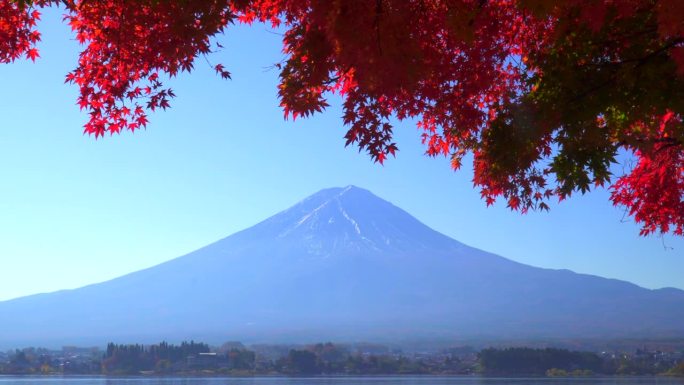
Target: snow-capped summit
[352, 219]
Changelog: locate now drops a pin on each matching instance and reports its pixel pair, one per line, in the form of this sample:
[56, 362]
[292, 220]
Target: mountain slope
[342, 264]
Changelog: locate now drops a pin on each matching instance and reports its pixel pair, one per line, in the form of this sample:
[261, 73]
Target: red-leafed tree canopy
[543, 93]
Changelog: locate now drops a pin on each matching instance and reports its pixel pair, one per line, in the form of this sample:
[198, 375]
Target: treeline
[328, 358]
[331, 359]
[677, 371]
[43, 361]
[127, 359]
[526, 361]
[230, 359]
[562, 362]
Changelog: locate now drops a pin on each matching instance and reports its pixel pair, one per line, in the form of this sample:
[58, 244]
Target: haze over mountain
[342, 264]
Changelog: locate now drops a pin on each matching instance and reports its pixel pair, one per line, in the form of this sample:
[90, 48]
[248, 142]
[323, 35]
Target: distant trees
[19, 363]
[641, 363]
[332, 359]
[132, 359]
[537, 361]
[236, 359]
[241, 359]
[301, 362]
[169, 358]
[28, 361]
[677, 371]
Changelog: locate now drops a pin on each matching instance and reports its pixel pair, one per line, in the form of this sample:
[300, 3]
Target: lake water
[369, 380]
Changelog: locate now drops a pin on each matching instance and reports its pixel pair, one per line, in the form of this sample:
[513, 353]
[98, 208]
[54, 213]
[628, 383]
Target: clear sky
[75, 210]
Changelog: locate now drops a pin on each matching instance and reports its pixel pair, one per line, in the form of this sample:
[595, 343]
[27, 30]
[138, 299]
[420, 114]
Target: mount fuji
[342, 264]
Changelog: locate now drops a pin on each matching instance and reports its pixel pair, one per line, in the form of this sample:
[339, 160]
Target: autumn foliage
[546, 94]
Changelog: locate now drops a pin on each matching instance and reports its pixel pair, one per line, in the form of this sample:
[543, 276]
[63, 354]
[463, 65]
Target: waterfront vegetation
[676, 371]
[189, 358]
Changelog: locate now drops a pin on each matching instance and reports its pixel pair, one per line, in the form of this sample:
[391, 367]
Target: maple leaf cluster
[130, 45]
[544, 93]
[18, 35]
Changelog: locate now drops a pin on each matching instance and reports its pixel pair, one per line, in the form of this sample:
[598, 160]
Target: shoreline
[280, 375]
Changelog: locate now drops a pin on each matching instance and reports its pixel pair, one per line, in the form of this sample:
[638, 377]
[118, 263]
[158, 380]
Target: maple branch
[591, 90]
[667, 143]
[640, 62]
[643, 60]
[331, 80]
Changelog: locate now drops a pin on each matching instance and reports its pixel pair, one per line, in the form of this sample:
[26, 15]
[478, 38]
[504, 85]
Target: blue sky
[76, 210]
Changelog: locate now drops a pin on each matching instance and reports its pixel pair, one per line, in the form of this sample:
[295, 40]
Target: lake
[339, 380]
